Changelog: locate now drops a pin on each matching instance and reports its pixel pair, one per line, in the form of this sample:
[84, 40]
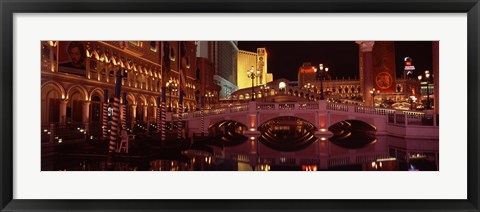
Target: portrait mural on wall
[384, 66]
[72, 56]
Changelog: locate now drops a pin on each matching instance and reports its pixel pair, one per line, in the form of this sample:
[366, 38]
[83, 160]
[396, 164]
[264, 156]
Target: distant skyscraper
[225, 65]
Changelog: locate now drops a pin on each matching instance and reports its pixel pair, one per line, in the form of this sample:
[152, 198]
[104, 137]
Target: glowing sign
[409, 64]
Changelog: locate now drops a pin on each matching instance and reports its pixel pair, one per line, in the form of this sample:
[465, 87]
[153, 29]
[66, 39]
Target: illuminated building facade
[77, 76]
[350, 90]
[258, 60]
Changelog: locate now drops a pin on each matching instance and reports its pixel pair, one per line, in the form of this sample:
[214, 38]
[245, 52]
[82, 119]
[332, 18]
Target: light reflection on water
[254, 155]
[286, 144]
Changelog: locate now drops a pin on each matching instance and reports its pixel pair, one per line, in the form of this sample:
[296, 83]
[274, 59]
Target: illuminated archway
[287, 133]
[227, 132]
[352, 134]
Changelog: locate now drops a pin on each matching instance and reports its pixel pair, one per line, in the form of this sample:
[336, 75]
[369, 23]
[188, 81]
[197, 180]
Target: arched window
[172, 54]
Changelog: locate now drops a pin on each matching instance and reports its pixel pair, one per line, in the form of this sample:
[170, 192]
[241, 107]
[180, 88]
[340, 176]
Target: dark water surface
[286, 144]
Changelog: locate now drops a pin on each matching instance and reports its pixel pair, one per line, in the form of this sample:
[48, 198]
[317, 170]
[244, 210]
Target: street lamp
[426, 81]
[374, 92]
[252, 75]
[265, 89]
[320, 75]
[209, 97]
[308, 87]
[412, 100]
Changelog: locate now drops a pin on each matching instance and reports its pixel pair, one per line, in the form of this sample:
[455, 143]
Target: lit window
[153, 46]
[136, 43]
[172, 54]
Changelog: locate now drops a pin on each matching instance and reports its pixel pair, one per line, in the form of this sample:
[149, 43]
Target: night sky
[285, 57]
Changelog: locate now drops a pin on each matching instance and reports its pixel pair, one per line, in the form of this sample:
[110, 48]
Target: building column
[87, 67]
[134, 116]
[145, 113]
[85, 111]
[252, 121]
[63, 111]
[53, 49]
[366, 48]
[154, 112]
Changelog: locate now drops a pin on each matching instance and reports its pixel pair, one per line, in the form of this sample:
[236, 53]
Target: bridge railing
[184, 116]
[266, 106]
[411, 118]
[308, 106]
[239, 108]
[286, 106]
[392, 116]
[337, 107]
[372, 110]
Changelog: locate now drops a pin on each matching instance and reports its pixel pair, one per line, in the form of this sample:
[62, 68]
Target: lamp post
[320, 75]
[426, 81]
[265, 89]
[308, 87]
[252, 75]
[412, 100]
[209, 97]
[374, 92]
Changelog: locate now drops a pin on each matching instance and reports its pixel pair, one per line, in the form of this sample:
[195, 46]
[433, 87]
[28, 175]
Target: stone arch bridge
[321, 114]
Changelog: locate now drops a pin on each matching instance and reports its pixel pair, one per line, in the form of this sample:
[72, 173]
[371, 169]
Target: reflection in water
[286, 144]
[287, 134]
[352, 134]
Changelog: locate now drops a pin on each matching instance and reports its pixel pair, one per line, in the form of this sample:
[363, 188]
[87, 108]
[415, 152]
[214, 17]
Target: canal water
[286, 144]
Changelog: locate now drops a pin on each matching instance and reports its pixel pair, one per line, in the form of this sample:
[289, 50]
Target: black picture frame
[10, 7]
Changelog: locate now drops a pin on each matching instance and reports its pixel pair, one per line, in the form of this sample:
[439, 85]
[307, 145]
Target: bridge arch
[353, 134]
[287, 133]
[228, 132]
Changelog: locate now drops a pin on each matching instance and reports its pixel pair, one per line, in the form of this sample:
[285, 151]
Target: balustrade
[340, 161]
[370, 158]
[308, 106]
[372, 110]
[184, 116]
[239, 108]
[286, 106]
[337, 107]
[392, 116]
[265, 106]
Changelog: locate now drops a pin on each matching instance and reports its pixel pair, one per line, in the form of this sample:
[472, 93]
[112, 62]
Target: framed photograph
[253, 106]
